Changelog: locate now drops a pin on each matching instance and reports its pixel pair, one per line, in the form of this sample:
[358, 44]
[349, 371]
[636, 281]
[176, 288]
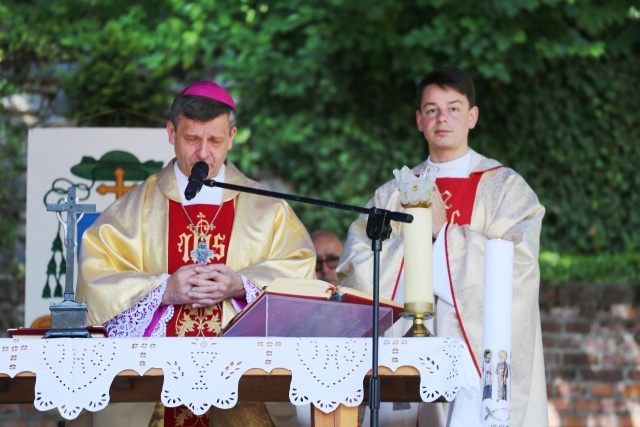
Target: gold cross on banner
[119, 189]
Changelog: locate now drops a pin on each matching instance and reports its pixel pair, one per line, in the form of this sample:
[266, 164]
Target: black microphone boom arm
[390, 215]
[378, 229]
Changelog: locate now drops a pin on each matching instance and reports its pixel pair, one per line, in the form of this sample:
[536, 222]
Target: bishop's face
[195, 141]
[445, 119]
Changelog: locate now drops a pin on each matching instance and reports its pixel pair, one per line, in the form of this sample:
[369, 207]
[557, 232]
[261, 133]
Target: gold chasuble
[144, 236]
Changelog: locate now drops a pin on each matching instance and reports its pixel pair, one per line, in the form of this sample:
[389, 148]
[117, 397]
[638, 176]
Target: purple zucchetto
[209, 89]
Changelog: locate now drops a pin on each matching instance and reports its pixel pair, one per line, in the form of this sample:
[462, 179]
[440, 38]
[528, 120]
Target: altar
[72, 375]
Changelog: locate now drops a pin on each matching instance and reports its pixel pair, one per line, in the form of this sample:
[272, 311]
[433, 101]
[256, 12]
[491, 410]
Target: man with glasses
[328, 249]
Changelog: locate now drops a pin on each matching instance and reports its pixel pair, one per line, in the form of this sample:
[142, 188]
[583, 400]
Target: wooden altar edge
[256, 385]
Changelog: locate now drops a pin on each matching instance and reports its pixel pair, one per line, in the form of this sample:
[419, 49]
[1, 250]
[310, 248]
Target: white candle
[496, 335]
[418, 276]
[498, 291]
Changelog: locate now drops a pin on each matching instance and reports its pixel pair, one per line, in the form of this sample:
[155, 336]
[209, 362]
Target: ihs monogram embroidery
[196, 245]
[189, 246]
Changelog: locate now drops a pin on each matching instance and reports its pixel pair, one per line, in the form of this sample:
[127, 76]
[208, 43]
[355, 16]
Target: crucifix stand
[69, 318]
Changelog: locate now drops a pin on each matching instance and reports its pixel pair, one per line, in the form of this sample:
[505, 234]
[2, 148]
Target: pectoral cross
[202, 253]
[69, 318]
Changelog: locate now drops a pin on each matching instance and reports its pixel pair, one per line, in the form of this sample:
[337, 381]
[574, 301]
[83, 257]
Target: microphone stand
[378, 230]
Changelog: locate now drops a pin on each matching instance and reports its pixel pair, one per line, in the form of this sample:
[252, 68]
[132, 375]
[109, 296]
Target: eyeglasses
[331, 261]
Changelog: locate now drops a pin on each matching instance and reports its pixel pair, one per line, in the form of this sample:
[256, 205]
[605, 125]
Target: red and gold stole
[459, 195]
[187, 321]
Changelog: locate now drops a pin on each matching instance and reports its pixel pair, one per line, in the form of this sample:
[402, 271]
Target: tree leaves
[326, 89]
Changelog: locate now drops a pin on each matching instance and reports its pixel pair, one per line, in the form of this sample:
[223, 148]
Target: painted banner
[103, 164]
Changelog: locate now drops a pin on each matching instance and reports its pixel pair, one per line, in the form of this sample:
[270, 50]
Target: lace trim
[132, 322]
[252, 293]
[161, 328]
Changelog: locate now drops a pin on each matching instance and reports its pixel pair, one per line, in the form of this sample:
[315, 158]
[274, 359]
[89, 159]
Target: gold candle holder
[419, 312]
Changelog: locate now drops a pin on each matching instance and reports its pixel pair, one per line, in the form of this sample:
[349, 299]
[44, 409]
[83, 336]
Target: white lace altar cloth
[75, 374]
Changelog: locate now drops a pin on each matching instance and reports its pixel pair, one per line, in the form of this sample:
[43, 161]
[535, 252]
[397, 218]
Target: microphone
[199, 173]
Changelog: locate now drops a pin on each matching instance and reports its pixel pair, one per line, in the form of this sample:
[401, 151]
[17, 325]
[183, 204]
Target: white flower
[416, 190]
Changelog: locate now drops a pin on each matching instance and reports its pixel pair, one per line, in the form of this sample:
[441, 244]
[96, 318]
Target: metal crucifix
[69, 318]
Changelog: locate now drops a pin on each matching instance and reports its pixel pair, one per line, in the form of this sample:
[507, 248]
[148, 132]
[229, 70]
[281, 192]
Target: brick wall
[591, 336]
[26, 415]
[591, 339]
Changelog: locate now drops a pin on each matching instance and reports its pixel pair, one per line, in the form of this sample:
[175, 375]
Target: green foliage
[603, 268]
[326, 98]
[12, 168]
[575, 142]
[335, 94]
[135, 87]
